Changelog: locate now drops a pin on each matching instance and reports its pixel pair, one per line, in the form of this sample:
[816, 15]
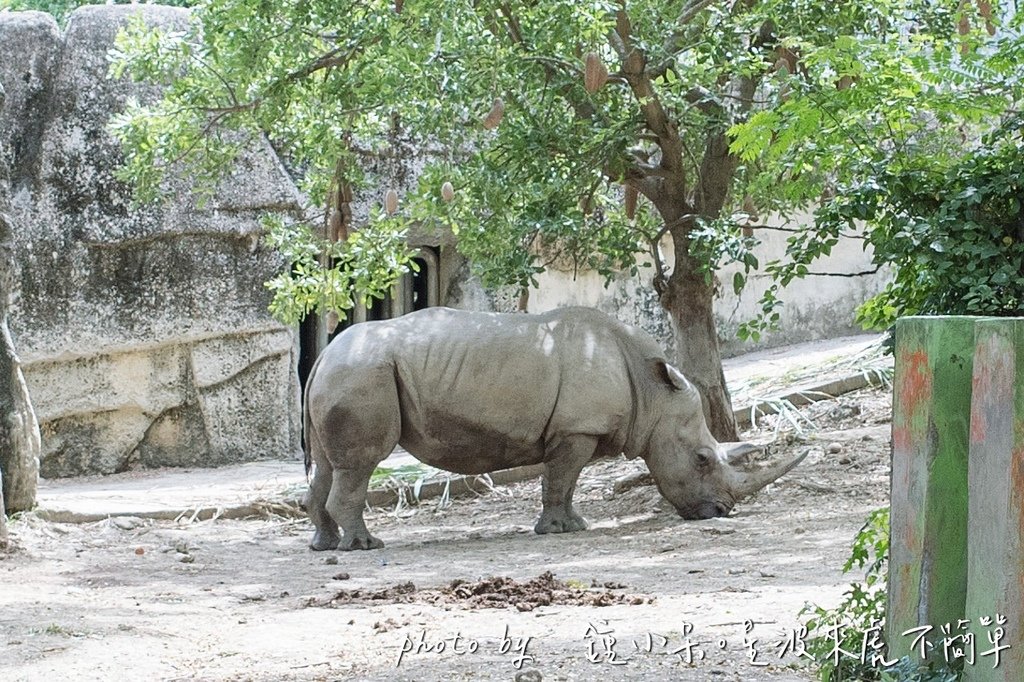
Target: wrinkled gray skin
[473, 393]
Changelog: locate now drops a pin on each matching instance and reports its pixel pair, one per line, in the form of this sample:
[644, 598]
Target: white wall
[815, 307]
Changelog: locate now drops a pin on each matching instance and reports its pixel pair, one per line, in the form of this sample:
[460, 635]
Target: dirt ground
[462, 592]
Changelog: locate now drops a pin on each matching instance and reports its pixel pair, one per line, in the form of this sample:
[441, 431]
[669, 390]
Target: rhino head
[701, 477]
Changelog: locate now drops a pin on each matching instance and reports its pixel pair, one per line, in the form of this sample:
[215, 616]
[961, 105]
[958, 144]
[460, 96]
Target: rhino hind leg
[345, 505]
[326, 535]
[561, 471]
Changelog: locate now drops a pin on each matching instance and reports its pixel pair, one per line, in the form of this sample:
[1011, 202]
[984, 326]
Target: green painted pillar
[995, 550]
[930, 426]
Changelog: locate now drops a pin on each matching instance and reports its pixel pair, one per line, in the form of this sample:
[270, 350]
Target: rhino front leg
[346, 503]
[561, 471]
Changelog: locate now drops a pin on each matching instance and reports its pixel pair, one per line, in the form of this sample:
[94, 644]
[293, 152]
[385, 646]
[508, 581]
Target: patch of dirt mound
[490, 593]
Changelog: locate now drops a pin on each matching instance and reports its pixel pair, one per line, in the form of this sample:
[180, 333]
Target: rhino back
[479, 392]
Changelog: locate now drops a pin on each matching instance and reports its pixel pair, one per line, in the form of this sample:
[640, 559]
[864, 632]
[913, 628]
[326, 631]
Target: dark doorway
[415, 291]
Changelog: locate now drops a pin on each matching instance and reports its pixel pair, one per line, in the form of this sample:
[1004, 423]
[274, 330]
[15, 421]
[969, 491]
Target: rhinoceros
[472, 393]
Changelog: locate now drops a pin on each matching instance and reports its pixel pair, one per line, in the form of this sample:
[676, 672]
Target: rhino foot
[559, 522]
[324, 540]
[359, 541]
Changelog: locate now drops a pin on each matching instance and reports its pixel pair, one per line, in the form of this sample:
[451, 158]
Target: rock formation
[143, 332]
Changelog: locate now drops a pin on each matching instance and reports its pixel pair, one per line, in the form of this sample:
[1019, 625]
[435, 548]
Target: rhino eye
[703, 457]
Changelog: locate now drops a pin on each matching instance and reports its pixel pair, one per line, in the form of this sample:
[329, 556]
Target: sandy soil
[460, 592]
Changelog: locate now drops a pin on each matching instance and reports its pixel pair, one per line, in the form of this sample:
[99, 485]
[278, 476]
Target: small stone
[834, 448]
[140, 551]
[737, 571]
[127, 522]
[666, 548]
[341, 576]
[766, 574]
[799, 531]
[186, 558]
[331, 560]
[844, 460]
[530, 675]
[181, 547]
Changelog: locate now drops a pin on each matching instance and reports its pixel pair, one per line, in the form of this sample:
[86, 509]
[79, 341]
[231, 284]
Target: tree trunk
[688, 297]
[3, 516]
[689, 301]
[19, 431]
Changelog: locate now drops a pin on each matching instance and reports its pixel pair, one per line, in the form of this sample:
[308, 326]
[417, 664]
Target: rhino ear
[738, 454]
[672, 377]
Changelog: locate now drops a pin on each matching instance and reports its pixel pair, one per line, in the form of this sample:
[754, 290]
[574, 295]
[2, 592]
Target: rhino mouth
[704, 510]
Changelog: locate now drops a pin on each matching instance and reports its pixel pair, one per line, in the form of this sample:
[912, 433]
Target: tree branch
[862, 273]
[674, 43]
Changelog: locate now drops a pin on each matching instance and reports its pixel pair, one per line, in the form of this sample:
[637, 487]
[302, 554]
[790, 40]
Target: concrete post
[995, 551]
[928, 541]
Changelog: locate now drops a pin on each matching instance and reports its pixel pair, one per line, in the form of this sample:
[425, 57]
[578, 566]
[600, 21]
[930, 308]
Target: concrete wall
[815, 307]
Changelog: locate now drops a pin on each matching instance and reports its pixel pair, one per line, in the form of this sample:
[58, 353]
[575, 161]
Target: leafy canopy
[810, 94]
[935, 124]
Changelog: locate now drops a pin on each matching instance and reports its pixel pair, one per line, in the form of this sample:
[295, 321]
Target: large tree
[548, 119]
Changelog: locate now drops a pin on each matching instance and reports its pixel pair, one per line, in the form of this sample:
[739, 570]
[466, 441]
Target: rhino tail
[306, 427]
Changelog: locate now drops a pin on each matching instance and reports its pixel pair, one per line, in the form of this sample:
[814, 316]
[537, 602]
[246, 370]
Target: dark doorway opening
[416, 290]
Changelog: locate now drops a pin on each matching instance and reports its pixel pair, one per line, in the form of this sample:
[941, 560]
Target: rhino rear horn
[749, 483]
[738, 454]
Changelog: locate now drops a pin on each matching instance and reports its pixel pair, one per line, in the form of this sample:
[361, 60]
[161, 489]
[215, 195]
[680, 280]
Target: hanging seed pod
[844, 82]
[629, 202]
[747, 230]
[587, 204]
[791, 58]
[493, 117]
[390, 202]
[398, 6]
[963, 27]
[749, 208]
[336, 227]
[331, 321]
[985, 10]
[781, 67]
[345, 193]
[595, 75]
[447, 191]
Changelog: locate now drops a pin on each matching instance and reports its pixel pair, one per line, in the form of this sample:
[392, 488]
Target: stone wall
[144, 332]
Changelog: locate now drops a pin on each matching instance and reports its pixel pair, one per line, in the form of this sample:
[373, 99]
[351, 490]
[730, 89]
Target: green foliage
[329, 275]
[955, 235]
[862, 610]
[813, 101]
[923, 111]
[855, 626]
[909, 670]
[334, 83]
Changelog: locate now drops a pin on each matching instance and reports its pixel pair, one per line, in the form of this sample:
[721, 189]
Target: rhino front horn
[750, 483]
